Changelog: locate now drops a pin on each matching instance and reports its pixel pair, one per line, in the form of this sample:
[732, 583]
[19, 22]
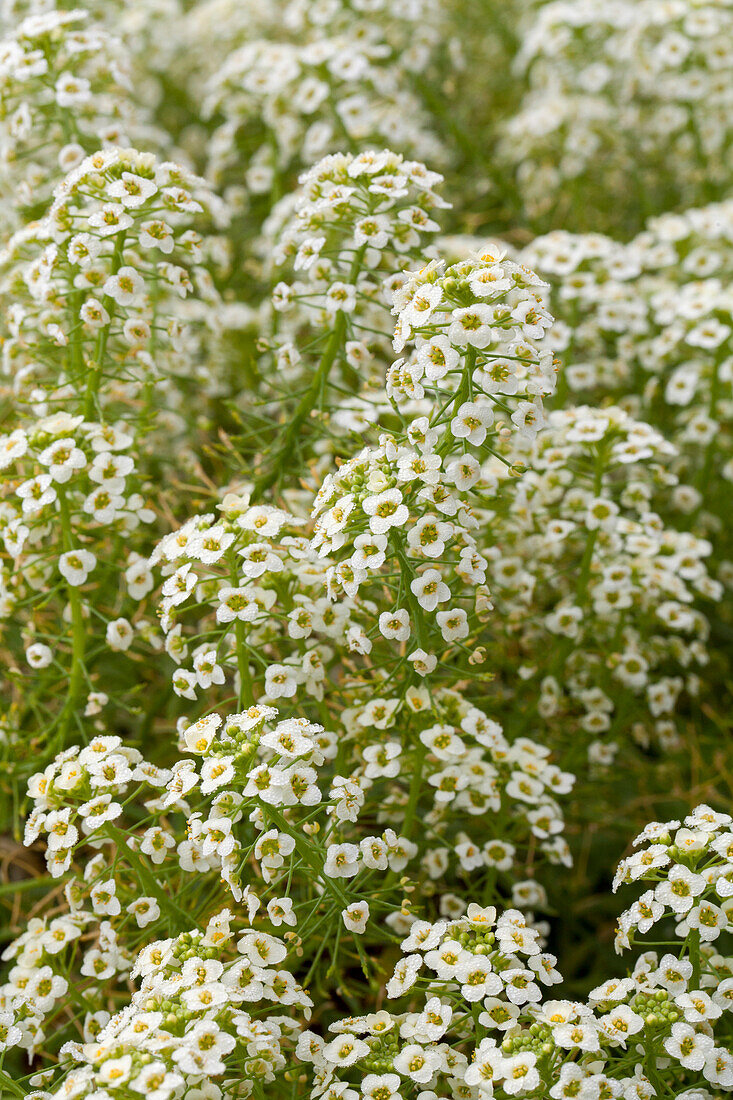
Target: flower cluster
[343, 240]
[649, 323]
[586, 560]
[64, 93]
[409, 507]
[365, 562]
[95, 284]
[484, 1025]
[91, 362]
[243, 590]
[641, 81]
[689, 862]
[309, 83]
[478, 328]
[187, 1024]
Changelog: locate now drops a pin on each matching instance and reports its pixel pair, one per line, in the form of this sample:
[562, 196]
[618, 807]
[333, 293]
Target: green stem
[78, 627]
[27, 884]
[585, 565]
[8, 1083]
[306, 404]
[462, 394]
[305, 850]
[245, 695]
[145, 877]
[708, 461]
[416, 787]
[94, 376]
[590, 545]
[314, 392]
[408, 576]
[694, 944]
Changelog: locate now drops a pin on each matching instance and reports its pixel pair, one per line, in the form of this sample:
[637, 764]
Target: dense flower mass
[628, 86]
[366, 378]
[65, 90]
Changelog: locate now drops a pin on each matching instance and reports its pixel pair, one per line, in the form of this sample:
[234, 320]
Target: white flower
[210, 545]
[528, 417]
[698, 1006]
[520, 987]
[76, 565]
[38, 655]
[382, 759]
[10, 1033]
[216, 772]
[62, 457]
[471, 422]
[132, 190]
[119, 634]
[519, 1073]
[688, 1046]
[691, 840]
[487, 1063]
[104, 900]
[385, 510]
[126, 287]
[281, 681]
[71, 91]
[417, 1063]
[103, 505]
[430, 589]
[12, 446]
[601, 513]
[477, 978]
[382, 1086]
[576, 1035]
[156, 234]
[405, 975]
[395, 625]
[299, 785]
[429, 536]
[208, 670]
[340, 297]
[156, 1082]
[437, 357]
[453, 624]
[718, 1068]
[464, 472]
[280, 911]
[355, 917]
[471, 326]
[344, 1050]
[680, 889]
[646, 911]
[369, 551]
[236, 604]
[97, 811]
[709, 920]
[110, 219]
[342, 861]
[115, 1071]
[198, 737]
[36, 494]
[179, 585]
[155, 842]
[145, 910]
[423, 663]
[184, 683]
[621, 1023]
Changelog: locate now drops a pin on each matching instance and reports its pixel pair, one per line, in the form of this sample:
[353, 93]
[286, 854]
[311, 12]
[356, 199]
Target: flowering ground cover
[365, 549]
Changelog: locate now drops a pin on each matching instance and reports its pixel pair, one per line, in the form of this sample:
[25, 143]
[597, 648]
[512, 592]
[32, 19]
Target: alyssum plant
[342, 649]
